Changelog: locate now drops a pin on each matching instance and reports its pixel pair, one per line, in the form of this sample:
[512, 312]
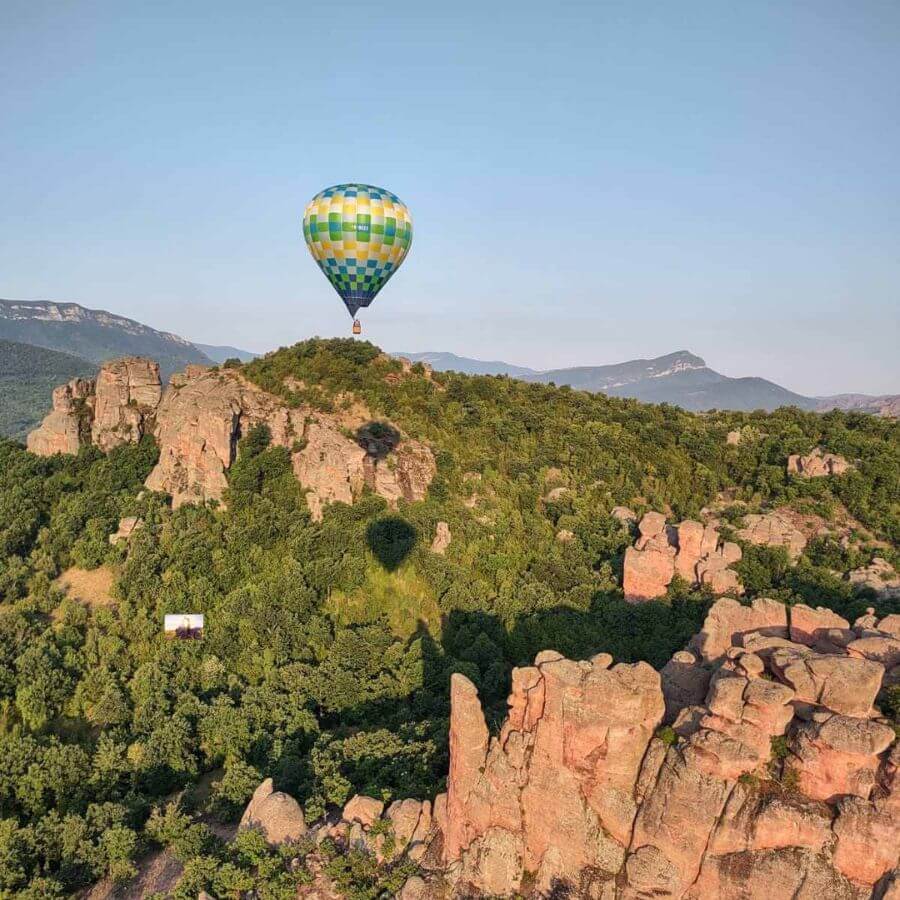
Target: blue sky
[589, 182]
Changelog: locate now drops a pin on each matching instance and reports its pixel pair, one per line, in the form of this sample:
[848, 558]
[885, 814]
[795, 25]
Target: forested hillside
[328, 646]
[28, 375]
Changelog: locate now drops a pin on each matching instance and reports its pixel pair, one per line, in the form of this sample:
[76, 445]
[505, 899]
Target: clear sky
[590, 182]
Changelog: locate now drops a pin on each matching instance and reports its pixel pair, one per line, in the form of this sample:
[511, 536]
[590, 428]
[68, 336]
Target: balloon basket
[357, 328]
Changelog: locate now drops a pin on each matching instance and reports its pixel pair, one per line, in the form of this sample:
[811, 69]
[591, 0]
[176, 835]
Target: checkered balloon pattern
[359, 235]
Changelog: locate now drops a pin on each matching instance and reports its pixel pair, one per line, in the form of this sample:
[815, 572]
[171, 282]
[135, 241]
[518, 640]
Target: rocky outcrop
[67, 427]
[127, 528]
[691, 550]
[126, 394]
[778, 778]
[576, 796]
[817, 464]
[879, 576]
[199, 419]
[276, 814]
[115, 408]
[442, 538]
[773, 529]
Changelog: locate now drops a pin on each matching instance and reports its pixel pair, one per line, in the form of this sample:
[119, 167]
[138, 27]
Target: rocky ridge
[198, 420]
[778, 777]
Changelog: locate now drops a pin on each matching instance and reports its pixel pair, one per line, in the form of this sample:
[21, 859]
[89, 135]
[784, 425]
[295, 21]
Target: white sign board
[183, 624]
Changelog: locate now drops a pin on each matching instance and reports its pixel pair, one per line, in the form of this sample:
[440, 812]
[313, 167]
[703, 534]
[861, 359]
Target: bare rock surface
[773, 529]
[126, 394]
[690, 550]
[127, 527]
[276, 814]
[67, 427]
[817, 464]
[879, 575]
[575, 794]
[442, 538]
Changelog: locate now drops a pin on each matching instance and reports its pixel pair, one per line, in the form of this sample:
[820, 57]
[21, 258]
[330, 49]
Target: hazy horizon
[591, 184]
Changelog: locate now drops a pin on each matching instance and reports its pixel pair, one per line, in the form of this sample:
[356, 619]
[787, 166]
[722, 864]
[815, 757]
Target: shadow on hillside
[479, 646]
[378, 439]
[391, 540]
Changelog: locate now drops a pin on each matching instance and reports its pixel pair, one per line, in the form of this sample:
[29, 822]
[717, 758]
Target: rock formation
[115, 408]
[199, 419]
[817, 464]
[778, 779]
[126, 394]
[689, 550]
[576, 793]
[442, 538]
[880, 576]
[773, 529]
[67, 427]
[276, 814]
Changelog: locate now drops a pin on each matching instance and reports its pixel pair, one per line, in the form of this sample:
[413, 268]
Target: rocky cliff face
[117, 407]
[778, 778]
[199, 419]
[579, 794]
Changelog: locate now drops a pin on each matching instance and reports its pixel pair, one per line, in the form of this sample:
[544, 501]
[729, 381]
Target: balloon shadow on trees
[391, 540]
[378, 439]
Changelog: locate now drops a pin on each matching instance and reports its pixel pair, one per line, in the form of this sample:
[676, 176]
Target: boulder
[842, 684]
[127, 528]
[365, 811]
[838, 756]
[728, 621]
[878, 576]
[811, 626]
[647, 573]
[817, 464]
[276, 814]
[624, 514]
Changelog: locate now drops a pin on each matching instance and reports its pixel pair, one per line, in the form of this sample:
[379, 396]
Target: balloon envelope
[359, 235]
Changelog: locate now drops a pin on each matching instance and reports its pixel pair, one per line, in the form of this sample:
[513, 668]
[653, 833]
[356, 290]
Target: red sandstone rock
[127, 393]
[276, 814]
[689, 550]
[728, 621]
[773, 529]
[576, 796]
[363, 810]
[817, 464]
[67, 427]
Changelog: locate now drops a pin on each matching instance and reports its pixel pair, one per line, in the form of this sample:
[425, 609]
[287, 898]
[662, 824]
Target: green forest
[328, 646]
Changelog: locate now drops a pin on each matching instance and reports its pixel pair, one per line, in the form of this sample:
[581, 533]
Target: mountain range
[94, 334]
[89, 337]
[681, 378]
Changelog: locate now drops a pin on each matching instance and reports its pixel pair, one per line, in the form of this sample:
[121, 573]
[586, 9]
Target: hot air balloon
[359, 235]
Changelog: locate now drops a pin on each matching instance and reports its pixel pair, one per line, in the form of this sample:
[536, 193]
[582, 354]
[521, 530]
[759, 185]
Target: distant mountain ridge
[220, 353]
[93, 334]
[681, 378]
